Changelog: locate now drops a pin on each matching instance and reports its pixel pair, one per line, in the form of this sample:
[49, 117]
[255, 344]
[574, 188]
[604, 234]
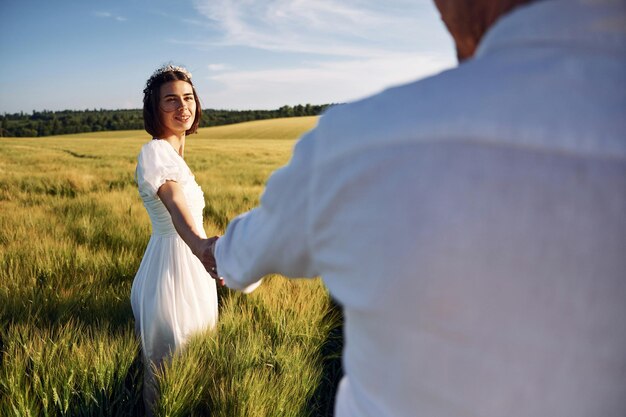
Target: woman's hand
[205, 251]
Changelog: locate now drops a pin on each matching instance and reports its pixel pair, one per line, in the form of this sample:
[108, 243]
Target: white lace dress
[172, 295]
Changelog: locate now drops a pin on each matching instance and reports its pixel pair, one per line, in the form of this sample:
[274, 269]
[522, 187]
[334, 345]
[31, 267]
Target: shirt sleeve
[156, 164]
[273, 237]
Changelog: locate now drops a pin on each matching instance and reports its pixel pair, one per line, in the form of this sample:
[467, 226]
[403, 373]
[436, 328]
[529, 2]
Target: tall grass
[72, 233]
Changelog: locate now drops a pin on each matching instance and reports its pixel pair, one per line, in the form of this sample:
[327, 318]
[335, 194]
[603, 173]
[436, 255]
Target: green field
[72, 234]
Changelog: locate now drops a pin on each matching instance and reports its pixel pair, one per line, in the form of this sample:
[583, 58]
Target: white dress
[172, 295]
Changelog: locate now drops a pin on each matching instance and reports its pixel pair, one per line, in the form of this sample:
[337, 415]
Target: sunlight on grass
[72, 234]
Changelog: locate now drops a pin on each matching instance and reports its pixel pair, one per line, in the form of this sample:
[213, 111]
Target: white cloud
[328, 50]
[217, 67]
[109, 15]
[330, 27]
[319, 82]
[187, 21]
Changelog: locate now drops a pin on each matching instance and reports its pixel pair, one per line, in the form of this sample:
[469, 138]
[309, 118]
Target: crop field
[72, 234]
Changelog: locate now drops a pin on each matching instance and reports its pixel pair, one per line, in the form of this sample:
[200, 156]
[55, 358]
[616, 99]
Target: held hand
[206, 253]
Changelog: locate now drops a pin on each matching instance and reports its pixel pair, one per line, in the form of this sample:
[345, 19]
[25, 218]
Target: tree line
[47, 123]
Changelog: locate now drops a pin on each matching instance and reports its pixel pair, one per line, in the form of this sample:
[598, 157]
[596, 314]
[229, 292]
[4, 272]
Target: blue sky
[243, 54]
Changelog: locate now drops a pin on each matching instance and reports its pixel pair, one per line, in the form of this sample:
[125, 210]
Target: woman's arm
[174, 200]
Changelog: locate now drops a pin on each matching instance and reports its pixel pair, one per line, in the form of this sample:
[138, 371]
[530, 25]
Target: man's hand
[206, 254]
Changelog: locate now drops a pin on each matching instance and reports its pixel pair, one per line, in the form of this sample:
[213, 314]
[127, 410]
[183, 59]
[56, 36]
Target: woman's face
[177, 108]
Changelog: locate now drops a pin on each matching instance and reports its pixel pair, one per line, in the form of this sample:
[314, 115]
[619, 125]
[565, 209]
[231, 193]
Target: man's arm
[273, 237]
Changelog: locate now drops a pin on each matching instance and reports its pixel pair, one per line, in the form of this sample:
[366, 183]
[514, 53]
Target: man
[472, 225]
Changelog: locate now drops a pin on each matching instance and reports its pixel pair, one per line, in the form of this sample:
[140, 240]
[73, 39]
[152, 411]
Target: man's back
[474, 228]
[491, 280]
[472, 225]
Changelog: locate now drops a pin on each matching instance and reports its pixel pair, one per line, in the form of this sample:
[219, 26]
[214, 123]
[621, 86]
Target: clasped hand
[206, 253]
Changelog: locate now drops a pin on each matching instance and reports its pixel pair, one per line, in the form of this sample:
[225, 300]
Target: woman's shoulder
[157, 152]
[156, 163]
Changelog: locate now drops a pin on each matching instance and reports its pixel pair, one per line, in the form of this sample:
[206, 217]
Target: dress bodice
[158, 162]
[160, 217]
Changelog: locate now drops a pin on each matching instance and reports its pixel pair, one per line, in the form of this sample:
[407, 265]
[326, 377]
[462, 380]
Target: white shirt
[472, 225]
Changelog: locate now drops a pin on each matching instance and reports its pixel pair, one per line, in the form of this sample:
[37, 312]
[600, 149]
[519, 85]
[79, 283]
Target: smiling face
[177, 108]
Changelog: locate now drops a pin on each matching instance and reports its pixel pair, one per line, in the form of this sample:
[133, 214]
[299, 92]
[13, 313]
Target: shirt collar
[597, 24]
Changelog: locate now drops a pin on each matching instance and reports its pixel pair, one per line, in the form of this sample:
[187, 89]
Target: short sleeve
[156, 164]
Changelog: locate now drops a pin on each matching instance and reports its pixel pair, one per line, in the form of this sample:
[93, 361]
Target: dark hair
[151, 97]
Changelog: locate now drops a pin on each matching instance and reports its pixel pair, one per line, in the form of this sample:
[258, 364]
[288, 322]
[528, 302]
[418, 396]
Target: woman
[172, 295]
